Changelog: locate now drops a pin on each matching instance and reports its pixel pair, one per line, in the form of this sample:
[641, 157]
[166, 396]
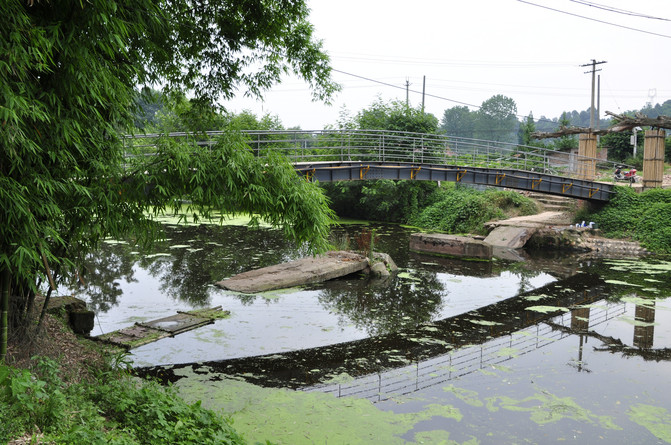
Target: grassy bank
[644, 217]
[450, 207]
[81, 394]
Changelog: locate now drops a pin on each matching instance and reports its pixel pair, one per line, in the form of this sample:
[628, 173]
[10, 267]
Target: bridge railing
[389, 146]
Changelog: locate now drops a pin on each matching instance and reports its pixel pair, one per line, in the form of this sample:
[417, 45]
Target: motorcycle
[629, 176]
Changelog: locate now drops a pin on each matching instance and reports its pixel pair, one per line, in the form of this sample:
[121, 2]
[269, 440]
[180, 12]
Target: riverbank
[555, 231]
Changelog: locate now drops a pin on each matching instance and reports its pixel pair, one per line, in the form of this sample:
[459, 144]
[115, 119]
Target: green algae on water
[295, 417]
[655, 419]
[546, 309]
[544, 407]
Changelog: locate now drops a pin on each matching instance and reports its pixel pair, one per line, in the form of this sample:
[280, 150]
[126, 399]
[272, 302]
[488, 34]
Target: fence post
[382, 147]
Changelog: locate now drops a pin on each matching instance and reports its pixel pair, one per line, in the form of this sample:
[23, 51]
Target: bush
[653, 229]
[619, 216]
[465, 210]
[116, 409]
[644, 217]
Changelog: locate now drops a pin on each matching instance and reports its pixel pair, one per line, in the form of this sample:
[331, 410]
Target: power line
[403, 88]
[596, 20]
[618, 11]
[426, 94]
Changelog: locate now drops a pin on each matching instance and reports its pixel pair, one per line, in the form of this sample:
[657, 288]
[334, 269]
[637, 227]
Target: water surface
[560, 349]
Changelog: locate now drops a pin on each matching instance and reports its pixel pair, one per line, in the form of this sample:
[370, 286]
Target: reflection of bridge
[427, 349]
[343, 155]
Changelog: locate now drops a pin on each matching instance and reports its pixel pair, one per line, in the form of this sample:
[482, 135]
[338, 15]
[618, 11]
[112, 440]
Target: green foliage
[653, 228]
[643, 217]
[458, 121]
[115, 409]
[392, 116]
[383, 200]
[497, 119]
[26, 401]
[566, 142]
[620, 215]
[619, 145]
[228, 177]
[69, 72]
[465, 210]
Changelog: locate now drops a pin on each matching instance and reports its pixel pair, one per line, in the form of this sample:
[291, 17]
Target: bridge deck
[327, 171]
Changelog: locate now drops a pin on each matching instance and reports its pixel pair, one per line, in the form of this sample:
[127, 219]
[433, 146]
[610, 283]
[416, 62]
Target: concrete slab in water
[297, 273]
[458, 246]
[509, 236]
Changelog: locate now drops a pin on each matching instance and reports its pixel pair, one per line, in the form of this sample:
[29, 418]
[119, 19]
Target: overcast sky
[470, 50]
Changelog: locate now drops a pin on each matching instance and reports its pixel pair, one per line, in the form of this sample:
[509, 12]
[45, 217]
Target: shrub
[654, 229]
[619, 216]
[115, 409]
[645, 217]
[465, 210]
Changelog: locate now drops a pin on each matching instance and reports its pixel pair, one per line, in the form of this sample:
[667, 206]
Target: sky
[532, 51]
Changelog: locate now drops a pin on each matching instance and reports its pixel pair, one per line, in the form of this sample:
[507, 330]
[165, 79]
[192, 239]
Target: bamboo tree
[69, 73]
[4, 315]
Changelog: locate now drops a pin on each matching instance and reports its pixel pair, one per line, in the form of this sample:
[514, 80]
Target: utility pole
[594, 70]
[423, 92]
[598, 102]
[407, 91]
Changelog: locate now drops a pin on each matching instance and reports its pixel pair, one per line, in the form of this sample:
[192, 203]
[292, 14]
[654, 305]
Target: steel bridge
[346, 155]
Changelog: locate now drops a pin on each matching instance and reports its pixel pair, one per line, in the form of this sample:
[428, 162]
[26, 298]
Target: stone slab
[452, 245]
[297, 273]
[510, 236]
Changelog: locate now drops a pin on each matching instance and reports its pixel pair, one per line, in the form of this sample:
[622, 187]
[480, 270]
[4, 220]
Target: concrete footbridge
[347, 155]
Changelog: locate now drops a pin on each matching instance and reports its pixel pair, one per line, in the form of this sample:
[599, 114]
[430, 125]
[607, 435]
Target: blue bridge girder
[496, 177]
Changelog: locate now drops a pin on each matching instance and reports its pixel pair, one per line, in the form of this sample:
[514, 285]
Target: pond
[555, 348]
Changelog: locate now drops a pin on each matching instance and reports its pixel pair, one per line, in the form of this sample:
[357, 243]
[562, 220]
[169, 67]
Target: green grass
[644, 217]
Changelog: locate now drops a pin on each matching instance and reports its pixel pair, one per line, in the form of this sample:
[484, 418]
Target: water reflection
[184, 264]
[383, 306]
[399, 347]
[102, 275]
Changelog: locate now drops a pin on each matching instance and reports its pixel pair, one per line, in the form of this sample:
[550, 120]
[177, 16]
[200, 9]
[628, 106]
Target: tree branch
[623, 123]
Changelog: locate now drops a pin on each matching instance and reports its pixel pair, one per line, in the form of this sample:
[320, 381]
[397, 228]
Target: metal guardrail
[335, 155]
[302, 146]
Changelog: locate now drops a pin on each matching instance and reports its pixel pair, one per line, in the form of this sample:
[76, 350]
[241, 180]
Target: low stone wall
[74, 311]
[582, 240]
[452, 245]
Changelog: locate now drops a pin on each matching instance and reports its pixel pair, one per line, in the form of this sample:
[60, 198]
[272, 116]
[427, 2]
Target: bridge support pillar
[653, 159]
[587, 156]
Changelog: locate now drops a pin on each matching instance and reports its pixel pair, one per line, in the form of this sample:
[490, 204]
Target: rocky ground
[78, 356]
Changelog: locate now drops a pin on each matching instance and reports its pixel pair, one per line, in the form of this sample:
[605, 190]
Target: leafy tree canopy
[392, 116]
[69, 73]
[458, 121]
[497, 120]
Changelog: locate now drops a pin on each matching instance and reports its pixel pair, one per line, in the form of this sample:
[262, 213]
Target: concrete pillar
[644, 333]
[587, 156]
[653, 159]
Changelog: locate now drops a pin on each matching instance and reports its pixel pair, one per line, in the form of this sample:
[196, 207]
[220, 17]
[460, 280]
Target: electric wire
[595, 20]
[432, 95]
[619, 11]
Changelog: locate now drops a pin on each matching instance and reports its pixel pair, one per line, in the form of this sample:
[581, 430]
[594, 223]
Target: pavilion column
[587, 156]
[653, 159]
